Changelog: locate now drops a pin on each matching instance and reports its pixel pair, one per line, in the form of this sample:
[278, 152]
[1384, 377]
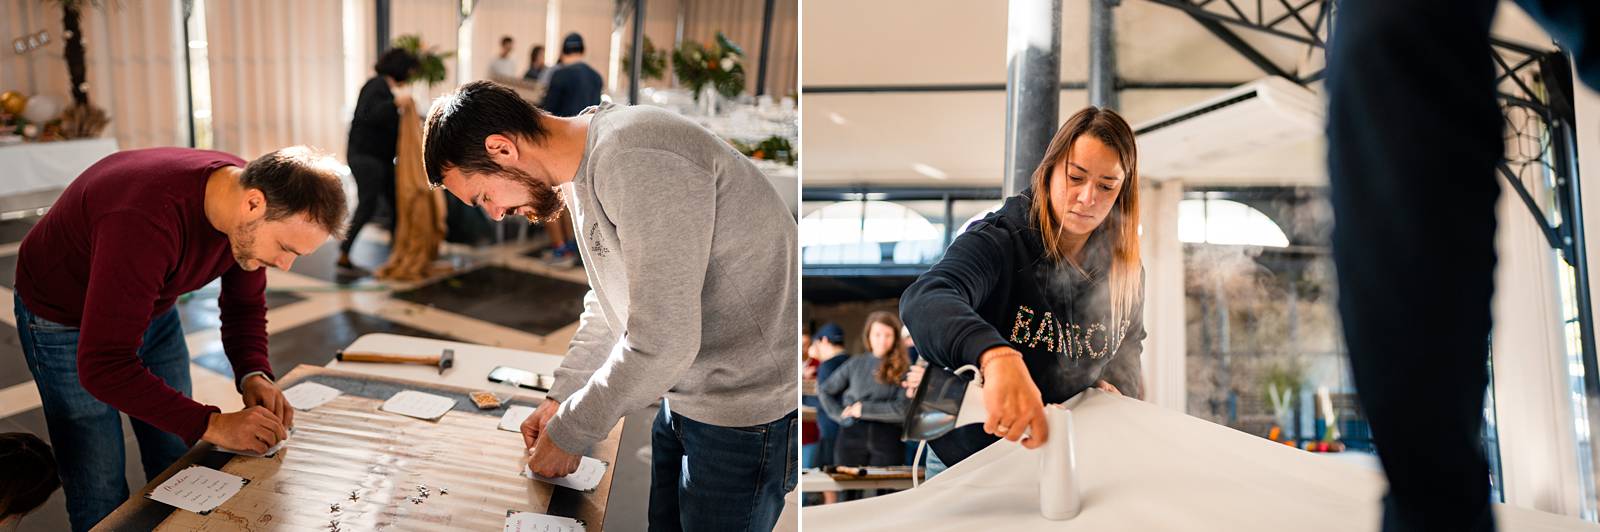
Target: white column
[1164, 349]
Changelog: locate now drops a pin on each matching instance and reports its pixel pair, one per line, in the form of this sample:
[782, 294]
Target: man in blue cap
[572, 87]
[828, 348]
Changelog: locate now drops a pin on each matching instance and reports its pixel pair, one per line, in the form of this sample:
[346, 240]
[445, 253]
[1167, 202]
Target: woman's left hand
[852, 411]
[1107, 387]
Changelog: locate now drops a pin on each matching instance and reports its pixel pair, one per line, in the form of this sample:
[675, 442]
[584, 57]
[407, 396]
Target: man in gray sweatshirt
[691, 259]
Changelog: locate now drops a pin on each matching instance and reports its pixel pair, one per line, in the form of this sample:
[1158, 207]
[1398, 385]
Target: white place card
[309, 395]
[419, 405]
[588, 475]
[198, 489]
[532, 522]
[274, 450]
[514, 416]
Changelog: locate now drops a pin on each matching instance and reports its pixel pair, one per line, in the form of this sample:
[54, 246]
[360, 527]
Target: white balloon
[42, 108]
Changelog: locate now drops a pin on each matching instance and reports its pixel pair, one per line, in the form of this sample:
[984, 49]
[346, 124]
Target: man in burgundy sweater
[96, 283]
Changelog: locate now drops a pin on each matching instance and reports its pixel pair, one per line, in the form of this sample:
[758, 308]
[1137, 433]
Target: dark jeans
[374, 180]
[1414, 134]
[869, 443]
[707, 477]
[86, 433]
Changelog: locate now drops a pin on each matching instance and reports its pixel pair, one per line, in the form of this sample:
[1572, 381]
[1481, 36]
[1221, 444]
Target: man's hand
[1012, 398]
[1107, 387]
[852, 410]
[253, 429]
[549, 461]
[258, 391]
[534, 425]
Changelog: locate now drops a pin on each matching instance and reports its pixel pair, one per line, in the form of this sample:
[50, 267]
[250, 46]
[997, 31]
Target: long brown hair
[896, 362]
[1121, 225]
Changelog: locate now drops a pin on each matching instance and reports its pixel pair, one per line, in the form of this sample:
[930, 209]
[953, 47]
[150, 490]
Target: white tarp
[1145, 468]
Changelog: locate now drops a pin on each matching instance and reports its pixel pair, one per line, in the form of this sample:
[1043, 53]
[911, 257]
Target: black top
[376, 124]
[573, 88]
[996, 286]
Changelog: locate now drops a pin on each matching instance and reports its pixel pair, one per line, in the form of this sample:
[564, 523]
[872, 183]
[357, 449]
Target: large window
[1264, 348]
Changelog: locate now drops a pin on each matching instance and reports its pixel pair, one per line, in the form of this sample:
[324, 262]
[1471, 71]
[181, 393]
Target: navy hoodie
[996, 286]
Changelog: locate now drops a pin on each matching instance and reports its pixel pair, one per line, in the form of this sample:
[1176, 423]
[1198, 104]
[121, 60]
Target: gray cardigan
[694, 281]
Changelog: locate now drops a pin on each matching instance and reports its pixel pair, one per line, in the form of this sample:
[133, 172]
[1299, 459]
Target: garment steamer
[945, 401]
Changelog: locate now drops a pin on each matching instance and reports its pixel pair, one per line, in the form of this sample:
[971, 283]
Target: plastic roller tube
[1059, 498]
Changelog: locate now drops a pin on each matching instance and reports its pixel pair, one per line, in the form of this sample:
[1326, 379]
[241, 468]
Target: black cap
[831, 332]
[573, 44]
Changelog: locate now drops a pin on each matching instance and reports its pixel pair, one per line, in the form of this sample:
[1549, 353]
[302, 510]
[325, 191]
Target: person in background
[865, 397]
[536, 65]
[573, 87]
[827, 349]
[28, 478]
[374, 133]
[1045, 296]
[504, 67]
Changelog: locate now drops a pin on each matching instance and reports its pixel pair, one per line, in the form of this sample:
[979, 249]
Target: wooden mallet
[444, 360]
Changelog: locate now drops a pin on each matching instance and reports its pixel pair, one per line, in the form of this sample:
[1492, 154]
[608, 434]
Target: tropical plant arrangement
[655, 62]
[718, 66]
[430, 61]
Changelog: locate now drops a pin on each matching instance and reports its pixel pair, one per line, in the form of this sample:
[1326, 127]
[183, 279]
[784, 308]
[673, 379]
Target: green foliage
[774, 148]
[655, 62]
[719, 66]
[430, 61]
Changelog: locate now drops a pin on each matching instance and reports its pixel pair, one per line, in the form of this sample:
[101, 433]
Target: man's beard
[545, 202]
[242, 242]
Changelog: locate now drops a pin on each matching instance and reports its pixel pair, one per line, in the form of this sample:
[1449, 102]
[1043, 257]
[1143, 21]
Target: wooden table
[348, 445]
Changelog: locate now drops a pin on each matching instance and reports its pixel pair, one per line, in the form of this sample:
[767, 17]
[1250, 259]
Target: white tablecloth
[1143, 467]
[32, 166]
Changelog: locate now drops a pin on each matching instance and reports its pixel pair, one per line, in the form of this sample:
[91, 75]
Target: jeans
[86, 433]
[708, 477]
[1414, 134]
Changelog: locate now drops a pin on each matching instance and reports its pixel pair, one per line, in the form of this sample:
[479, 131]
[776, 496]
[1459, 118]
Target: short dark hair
[397, 63]
[573, 44]
[29, 476]
[461, 119]
[299, 180]
[505, 39]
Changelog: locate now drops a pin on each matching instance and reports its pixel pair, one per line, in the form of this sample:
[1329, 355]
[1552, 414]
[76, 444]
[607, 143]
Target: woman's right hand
[1013, 401]
[912, 380]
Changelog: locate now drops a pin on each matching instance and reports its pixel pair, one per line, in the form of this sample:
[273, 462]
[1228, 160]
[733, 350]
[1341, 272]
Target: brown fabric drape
[419, 211]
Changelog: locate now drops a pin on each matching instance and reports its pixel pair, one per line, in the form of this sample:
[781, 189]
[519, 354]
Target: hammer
[444, 360]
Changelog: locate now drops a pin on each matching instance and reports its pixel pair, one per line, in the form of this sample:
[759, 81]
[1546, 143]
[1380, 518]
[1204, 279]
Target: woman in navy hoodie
[1044, 296]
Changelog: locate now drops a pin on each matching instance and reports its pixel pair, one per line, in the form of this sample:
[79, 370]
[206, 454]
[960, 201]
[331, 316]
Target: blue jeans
[708, 477]
[86, 433]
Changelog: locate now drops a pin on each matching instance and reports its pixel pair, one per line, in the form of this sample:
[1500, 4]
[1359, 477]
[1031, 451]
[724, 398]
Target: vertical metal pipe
[1103, 54]
[1033, 80]
[766, 45]
[637, 65]
[380, 26]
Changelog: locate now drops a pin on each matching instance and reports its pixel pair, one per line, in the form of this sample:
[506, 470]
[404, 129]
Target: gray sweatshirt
[856, 382]
[694, 281]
